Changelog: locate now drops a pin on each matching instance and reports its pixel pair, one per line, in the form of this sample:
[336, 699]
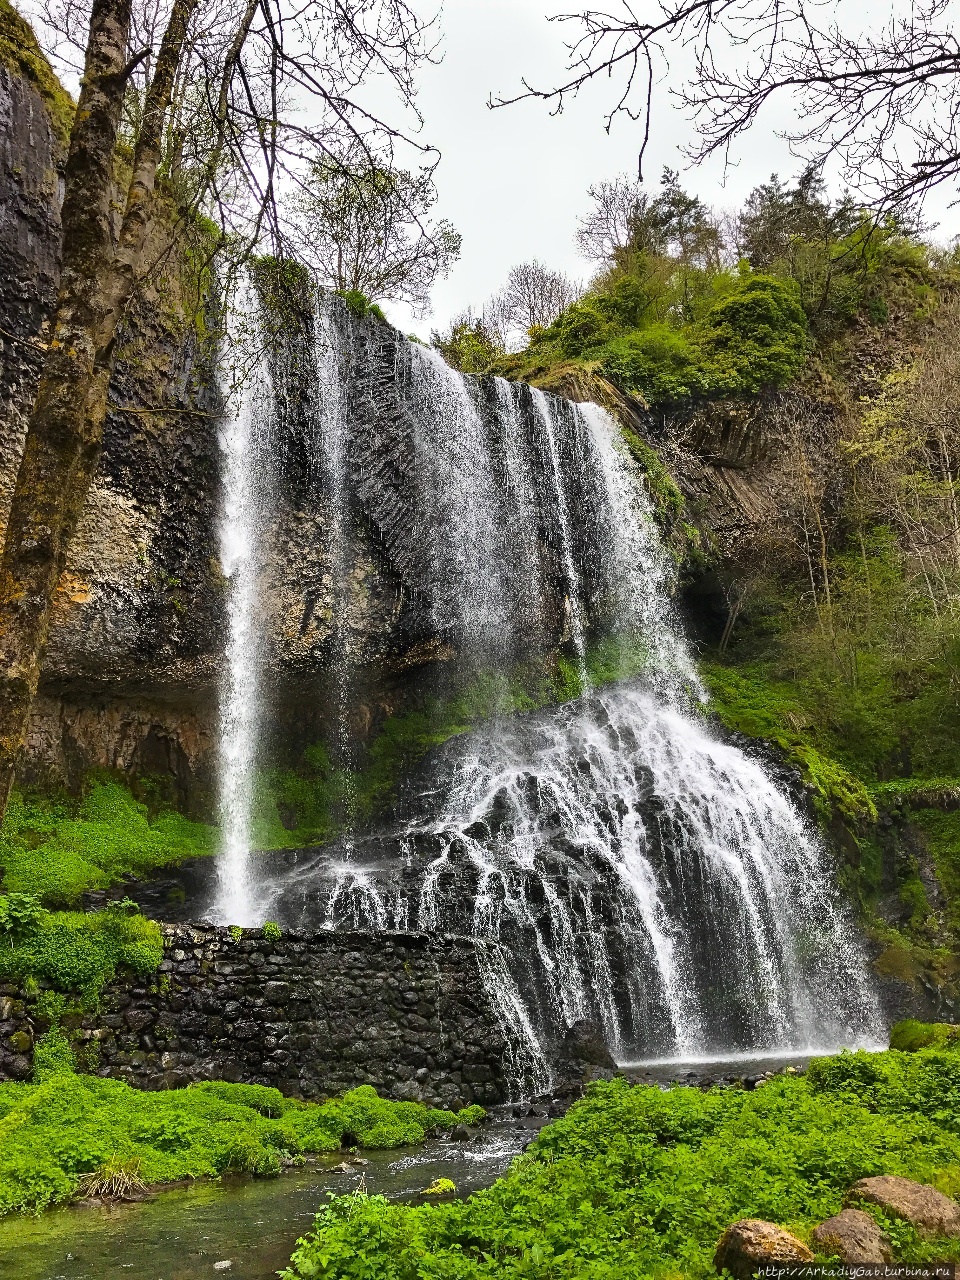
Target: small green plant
[635, 1181]
[115, 1180]
[52, 1056]
[440, 1187]
[236, 933]
[20, 915]
[70, 1134]
[272, 931]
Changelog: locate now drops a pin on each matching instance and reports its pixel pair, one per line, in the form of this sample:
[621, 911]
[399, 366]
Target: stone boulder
[931, 1212]
[584, 1044]
[752, 1243]
[853, 1237]
[582, 1056]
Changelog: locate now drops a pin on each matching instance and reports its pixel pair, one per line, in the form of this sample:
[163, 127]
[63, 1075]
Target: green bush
[55, 847]
[55, 1132]
[911, 1035]
[79, 952]
[52, 1056]
[641, 1183]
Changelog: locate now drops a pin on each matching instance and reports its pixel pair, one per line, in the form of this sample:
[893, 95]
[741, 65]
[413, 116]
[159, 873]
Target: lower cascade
[614, 859]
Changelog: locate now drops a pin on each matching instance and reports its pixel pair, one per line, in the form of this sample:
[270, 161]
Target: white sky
[513, 181]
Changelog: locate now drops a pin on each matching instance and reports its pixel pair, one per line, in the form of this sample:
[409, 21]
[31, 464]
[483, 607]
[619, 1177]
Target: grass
[72, 1135]
[640, 1183]
[56, 847]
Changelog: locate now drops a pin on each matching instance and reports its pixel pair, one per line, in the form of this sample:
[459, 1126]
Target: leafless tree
[532, 297]
[366, 227]
[221, 103]
[610, 226]
[879, 95]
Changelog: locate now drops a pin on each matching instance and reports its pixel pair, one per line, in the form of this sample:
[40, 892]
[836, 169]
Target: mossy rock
[20, 52]
[911, 1035]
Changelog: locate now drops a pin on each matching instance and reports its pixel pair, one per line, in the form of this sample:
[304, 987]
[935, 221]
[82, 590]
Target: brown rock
[932, 1213]
[853, 1237]
[752, 1243]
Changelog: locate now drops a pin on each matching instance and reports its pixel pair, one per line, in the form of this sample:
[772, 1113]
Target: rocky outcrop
[854, 1238]
[929, 1210]
[309, 1014]
[751, 1243]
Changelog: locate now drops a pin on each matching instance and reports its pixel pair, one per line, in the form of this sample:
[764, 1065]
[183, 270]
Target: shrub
[55, 848]
[638, 1182]
[52, 1056]
[81, 951]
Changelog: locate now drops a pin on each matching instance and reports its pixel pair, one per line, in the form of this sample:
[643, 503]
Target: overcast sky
[513, 181]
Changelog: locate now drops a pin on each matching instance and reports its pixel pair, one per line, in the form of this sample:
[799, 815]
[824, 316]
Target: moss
[21, 54]
[749, 701]
[57, 847]
[910, 1036]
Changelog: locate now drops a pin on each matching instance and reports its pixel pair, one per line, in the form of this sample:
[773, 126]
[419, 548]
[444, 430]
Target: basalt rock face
[128, 669]
[309, 1014]
[133, 664]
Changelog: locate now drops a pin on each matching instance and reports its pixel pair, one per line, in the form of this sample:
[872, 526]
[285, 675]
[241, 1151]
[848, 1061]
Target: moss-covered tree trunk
[100, 271]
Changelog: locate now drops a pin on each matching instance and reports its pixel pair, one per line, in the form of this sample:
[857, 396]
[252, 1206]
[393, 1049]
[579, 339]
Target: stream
[253, 1224]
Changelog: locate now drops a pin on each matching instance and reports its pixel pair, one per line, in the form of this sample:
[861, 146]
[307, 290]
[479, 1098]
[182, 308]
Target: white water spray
[240, 558]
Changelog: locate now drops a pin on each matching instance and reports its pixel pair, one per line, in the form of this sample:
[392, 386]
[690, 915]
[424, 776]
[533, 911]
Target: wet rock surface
[752, 1243]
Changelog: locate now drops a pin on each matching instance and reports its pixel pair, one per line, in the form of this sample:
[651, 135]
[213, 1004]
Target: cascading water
[241, 531]
[613, 858]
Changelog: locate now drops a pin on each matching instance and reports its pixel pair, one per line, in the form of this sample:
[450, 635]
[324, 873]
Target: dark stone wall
[310, 1014]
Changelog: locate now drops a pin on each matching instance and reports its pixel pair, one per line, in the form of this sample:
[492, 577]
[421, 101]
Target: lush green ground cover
[73, 952]
[635, 1182]
[56, 846]
[69, 1134]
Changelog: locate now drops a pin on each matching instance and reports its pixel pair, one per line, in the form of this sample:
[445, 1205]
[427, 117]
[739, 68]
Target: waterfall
[614, 859]
[240, 439]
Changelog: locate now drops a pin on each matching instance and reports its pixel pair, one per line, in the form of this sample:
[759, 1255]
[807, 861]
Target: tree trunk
[98, 277]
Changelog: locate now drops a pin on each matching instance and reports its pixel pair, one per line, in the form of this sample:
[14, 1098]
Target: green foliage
[272, 931]
[468, 345]
[20, 915]
[361, 305]
[56, 847]
[56, 1134]
[641, 1183]
[749, 699]
[81, 951]
[52, 1056]
[911, 1035]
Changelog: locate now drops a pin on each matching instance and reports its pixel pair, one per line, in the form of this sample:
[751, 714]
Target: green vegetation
[910, 1035]
[61, 1134]
[361, 305]
[77, 952]
[55, 847]
[20, 52]
[686, 309]
[636, 1182]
